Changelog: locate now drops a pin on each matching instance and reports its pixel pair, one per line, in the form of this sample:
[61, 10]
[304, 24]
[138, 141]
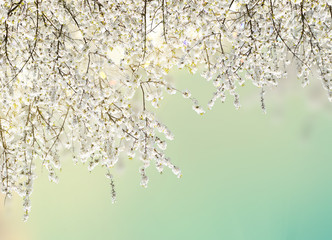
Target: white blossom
[83, 75]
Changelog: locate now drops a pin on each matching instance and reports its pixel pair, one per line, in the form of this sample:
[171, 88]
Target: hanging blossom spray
[71, 71]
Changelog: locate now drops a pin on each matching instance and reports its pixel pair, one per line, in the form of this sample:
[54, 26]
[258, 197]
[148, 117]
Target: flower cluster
[71, 72]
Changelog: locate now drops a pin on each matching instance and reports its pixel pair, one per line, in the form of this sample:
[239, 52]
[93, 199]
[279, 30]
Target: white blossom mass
[82, 75]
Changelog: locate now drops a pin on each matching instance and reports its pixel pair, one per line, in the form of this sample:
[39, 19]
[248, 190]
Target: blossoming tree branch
[71, 71]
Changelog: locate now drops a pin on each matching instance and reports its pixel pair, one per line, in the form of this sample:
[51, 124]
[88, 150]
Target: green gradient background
[246, 175]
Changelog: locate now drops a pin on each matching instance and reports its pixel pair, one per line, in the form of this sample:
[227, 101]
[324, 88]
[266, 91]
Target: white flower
[75, 77]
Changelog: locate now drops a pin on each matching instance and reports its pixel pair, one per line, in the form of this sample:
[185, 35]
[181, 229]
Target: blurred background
[246, 175]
